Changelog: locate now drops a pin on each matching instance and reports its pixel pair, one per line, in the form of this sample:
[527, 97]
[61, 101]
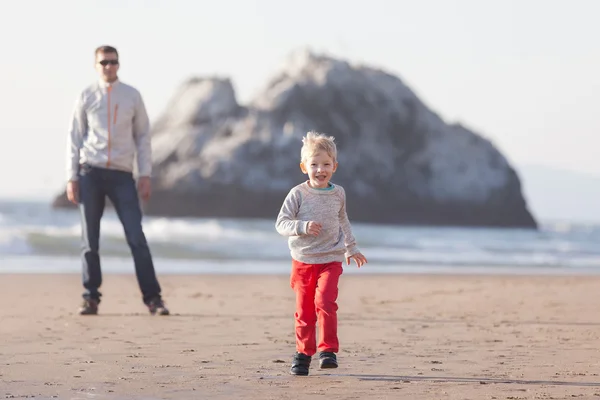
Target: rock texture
[398, 161]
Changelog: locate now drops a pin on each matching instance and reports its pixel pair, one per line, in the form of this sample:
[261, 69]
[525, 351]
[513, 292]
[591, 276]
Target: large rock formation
[398, 161]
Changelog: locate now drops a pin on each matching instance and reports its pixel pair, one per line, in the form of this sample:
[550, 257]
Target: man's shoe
[89, 307]
[327, 359]
[300, 364]
[157, 306]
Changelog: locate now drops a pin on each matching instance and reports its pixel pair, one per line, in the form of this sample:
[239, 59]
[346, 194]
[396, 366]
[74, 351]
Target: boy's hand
[358, 258]
[314, 228]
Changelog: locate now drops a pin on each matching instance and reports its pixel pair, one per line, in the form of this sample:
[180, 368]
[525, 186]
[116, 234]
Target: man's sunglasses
[104, 63]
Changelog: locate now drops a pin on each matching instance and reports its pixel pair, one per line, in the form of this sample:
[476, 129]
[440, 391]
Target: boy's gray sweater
[325, 206]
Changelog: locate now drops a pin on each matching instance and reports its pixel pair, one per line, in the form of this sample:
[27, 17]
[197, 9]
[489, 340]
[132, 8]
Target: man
[109, 130]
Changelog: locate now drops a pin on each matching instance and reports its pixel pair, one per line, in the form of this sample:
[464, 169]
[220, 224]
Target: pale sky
[523, 73]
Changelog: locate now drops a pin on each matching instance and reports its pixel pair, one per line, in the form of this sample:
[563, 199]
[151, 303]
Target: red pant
[316, 287]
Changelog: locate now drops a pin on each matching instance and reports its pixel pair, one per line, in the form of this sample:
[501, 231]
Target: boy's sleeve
[349, 240]
[287, 224]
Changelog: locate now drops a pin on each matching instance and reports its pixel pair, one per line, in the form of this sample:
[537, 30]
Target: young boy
[314, 218]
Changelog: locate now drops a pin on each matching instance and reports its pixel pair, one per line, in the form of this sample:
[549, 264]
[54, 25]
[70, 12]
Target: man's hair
[314, 142]
[106, 49]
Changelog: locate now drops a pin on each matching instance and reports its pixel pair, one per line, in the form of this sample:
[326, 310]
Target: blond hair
[314, 142]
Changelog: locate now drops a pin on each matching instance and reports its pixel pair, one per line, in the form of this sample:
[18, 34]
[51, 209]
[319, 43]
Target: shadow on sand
[445, 379]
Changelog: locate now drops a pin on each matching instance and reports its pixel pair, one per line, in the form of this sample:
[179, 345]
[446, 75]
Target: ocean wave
[40, 231]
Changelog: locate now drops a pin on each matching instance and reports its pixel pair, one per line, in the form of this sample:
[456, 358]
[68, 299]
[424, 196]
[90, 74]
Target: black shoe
[300, 364]
[89, 307]
[157, 306]
[327, 359]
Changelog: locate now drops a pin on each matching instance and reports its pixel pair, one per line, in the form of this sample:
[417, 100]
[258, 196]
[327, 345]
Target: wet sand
[402, 336]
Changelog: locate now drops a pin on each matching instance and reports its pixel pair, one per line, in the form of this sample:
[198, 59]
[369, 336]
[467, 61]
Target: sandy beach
[402, 336]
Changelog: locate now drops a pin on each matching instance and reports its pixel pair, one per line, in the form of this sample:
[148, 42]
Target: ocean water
[34, 238]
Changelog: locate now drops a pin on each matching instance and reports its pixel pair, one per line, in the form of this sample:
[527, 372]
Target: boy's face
[319, 168]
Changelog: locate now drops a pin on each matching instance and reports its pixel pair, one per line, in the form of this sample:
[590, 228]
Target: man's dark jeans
[95, 184]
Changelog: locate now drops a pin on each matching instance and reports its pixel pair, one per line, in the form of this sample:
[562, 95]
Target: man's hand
[358, 258]
[314, 228]
[144, 187]
[73, 191]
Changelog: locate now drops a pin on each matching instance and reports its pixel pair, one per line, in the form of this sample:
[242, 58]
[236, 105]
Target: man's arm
[141, 136]
[77, 131]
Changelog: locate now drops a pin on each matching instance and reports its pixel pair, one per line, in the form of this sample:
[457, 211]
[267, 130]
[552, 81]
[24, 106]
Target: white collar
[104, 84]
